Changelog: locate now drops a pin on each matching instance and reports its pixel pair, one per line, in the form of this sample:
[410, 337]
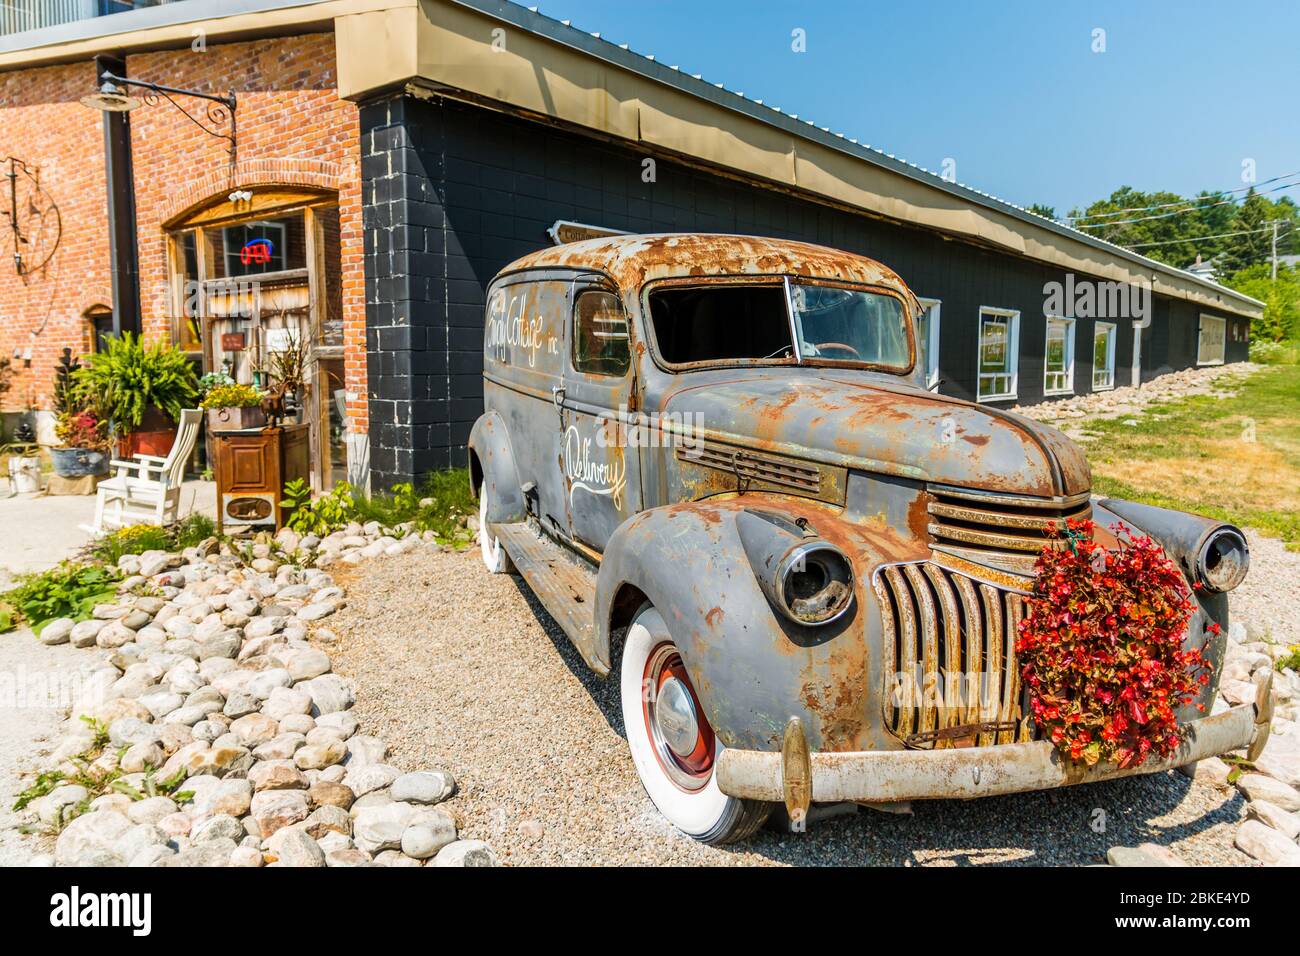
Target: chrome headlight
[808, 579]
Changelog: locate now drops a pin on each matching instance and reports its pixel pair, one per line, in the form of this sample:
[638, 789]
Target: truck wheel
[494, 556]
[672, 744]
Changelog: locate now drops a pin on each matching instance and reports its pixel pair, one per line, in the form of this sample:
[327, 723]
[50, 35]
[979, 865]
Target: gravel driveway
[462, 669]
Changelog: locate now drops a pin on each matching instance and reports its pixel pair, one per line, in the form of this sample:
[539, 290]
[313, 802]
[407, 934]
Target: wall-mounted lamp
[112, 97]
[241, 195]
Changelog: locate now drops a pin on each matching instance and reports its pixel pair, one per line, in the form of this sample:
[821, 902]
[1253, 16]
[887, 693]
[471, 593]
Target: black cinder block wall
[452, 193]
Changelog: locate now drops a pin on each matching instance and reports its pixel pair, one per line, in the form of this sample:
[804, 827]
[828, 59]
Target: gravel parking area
[458, 668]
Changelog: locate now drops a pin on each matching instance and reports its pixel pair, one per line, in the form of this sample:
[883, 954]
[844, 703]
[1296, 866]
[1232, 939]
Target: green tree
[1281, 298]
[1253, 241]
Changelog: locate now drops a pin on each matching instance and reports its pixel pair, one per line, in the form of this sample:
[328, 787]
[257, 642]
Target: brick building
[396, 153]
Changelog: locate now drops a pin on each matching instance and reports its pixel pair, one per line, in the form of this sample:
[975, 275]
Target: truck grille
[975, 524]
[753, 466]
[950, 670]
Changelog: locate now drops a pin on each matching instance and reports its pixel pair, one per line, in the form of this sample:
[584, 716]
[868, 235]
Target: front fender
[752, 668]
[489, 443]
[1172, 530]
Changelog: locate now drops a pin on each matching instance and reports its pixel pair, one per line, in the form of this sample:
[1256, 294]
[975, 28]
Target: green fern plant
[127, 378]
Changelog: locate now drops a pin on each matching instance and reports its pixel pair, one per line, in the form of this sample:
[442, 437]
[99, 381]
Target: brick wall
[292, 130]
[42, 124]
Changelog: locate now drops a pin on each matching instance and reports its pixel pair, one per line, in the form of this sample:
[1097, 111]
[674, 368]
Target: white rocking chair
[147, 490]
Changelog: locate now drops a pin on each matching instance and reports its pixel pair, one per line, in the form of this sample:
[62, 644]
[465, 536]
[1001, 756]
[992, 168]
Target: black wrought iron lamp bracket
[218, 118]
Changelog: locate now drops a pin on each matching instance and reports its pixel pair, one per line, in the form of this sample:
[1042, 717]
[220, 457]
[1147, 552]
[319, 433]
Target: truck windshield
[730, 322]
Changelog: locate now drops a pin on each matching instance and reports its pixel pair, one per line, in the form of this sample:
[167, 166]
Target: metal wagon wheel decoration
[35, 225]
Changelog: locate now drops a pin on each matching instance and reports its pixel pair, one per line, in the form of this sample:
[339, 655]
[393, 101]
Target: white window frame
[1200, 340]
[1013, 351]
[1112, 334]
[1068, 371]
[933, 306]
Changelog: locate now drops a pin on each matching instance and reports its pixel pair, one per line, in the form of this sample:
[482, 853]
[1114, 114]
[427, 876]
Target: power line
[1181, 202]
[1179, 212]
[1195, 239]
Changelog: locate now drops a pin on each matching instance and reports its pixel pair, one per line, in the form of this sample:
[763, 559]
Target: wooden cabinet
[252, 467]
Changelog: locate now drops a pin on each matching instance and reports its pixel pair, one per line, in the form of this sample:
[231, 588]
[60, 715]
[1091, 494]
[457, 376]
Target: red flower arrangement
[82, 429]
[1101, 652]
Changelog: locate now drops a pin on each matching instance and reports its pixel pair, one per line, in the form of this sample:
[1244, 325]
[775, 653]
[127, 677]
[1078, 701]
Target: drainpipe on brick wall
[122, 254]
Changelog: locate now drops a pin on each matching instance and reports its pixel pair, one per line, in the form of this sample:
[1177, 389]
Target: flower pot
[233, 419]
[78, 462]
[147, 443]
[25, 473]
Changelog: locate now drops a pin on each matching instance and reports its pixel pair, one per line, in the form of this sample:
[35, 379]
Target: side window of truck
[600, 334]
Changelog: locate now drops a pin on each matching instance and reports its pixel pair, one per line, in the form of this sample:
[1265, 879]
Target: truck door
[524, 363]
[599, 452]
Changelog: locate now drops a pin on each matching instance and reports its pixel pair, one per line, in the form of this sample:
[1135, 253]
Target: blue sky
[1013, 92]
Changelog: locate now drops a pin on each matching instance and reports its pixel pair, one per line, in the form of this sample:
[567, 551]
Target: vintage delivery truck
[721, 448]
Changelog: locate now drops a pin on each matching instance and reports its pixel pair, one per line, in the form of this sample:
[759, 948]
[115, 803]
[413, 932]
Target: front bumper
[795, 777]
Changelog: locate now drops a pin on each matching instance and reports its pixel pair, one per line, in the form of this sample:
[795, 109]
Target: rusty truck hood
[839, 417]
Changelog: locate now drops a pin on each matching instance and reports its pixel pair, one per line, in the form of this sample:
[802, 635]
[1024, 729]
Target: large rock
[370, 777]
[1270, 814]
[1257, 786]
[291, 846]
[326, 793]
[329, 693]
[466, 853]
[1280, 765]
[253, 730]
[1267, 845]
[285, 701]
[223, 645]
[84, 633]
[319, 756]
[52, 807]
[128, 731]
[273, 809]
[364, 749]
[424, 786]
[151, 809]
[381, 828]
[57, 631]
[209, 854]
[1145, 854]
[229, 796]
[427, 833]
[276, 775]
[90, 832]
[307, 663]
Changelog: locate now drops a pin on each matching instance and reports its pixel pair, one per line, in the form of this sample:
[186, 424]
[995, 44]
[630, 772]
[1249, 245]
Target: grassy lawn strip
[1235, 459]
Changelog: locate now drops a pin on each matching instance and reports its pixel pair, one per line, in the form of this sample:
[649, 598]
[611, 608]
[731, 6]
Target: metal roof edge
[647, 66]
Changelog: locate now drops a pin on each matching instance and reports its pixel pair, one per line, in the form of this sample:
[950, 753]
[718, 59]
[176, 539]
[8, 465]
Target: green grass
[1235, 459]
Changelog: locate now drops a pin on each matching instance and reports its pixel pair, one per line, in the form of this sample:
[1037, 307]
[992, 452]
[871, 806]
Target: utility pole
[1275, 224]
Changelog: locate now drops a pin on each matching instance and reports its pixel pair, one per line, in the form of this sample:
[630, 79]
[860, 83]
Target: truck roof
[633, 260]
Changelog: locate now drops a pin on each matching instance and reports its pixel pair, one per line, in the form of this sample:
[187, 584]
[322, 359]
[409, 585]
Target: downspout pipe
[119, 178]
[1138, 326]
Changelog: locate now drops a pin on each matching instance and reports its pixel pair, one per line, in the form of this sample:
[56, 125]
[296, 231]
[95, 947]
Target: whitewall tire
[494, 555]
[672, 744]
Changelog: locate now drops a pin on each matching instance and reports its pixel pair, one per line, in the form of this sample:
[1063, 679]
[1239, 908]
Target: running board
[562, 581]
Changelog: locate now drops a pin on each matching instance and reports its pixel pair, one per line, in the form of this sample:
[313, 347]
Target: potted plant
[140, 389]
[230, 407]
[81, 430]
[85, 445]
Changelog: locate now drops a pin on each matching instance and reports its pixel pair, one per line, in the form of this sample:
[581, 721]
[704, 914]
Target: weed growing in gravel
[140, 538]
[99, 781]
[441, 504]
[66, 590]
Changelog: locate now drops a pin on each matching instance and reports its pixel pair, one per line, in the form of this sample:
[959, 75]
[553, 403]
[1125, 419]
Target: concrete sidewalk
[37, 531]
[38, 682]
